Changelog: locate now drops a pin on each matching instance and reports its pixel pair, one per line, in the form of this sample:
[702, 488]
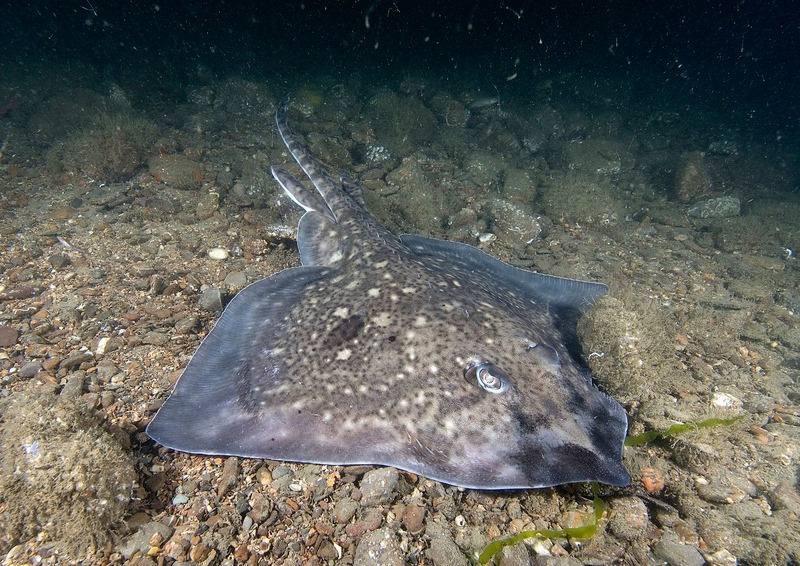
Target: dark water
[739, 59]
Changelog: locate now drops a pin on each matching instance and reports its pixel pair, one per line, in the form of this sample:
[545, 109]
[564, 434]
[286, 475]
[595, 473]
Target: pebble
[719, 491]
[345, 510]
[186, 324]
[264, 476]
[211, 300]
[515, 555]
[630, 518]
[379, 486]
[207, 205]
[230, 474]
[442, 549]
[76, 359]
[154, 338]
[59, 261]
[413, 518]
[676, 554]
[722, 207]
[721, 558]
[785, 496]
[218, 254]
[180, 499]
[260, 507]
[8, 336]
[29, 370]
[235, 280]
[140, 540]
[379, 548]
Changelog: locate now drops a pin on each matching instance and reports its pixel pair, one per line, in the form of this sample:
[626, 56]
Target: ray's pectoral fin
[211, 410]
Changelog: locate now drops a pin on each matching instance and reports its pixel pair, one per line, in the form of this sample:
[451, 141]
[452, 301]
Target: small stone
[719, 491]
[140, 540]
[59, 261]
[676, 554]
[218, 254]
[379, 486]
[8, 336]
[721, 558]
[378, 547]
[198, 553]
[207, 205]
[241, 554]
[76, 359]
[344, 510]
[629, 520]
[722, 207]
[29, 370]
[180, 499]
[260, 507]
[785, 496]
[186, 324]
[211, 300]
[230, 475]
[264, 476]
[235, 280]
[414, 518]
[442, 549]
[154, 338]
[155, 482]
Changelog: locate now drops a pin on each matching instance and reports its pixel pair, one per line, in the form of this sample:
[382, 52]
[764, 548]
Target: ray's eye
[488, 376]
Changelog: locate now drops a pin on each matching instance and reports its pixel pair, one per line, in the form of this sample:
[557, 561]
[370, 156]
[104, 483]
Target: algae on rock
[64, 477]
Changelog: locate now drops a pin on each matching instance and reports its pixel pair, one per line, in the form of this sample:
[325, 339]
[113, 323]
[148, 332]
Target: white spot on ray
[341, 312]
[374, 292]
[344, 354]
[382, 320]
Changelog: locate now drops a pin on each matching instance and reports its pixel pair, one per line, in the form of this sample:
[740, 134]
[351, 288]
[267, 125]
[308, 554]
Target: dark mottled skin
[363, 356]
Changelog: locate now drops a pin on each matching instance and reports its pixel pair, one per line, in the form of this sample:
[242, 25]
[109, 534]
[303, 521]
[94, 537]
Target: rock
[140, 541]
[29, 370]
[344, 510]
[59, 261]
[211, 300]
[154, 338]
[722, 207]
[676, 554]
[720, 490]
[442, 549]
[176, 170]
[379, 486]
[785, 496]
[378, 548]
[515, 555]
[413, 518]
[693, 179]
[207, 205]
[513, 225]
[598, 157]
[230, 475]
[76, 359]
[260, 507]
[8, 336]
[721, 558]
[186, 324]
[629, 520]
[235, 281]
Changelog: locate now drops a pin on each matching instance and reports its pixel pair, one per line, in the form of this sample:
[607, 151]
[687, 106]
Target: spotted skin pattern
[423, 354]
